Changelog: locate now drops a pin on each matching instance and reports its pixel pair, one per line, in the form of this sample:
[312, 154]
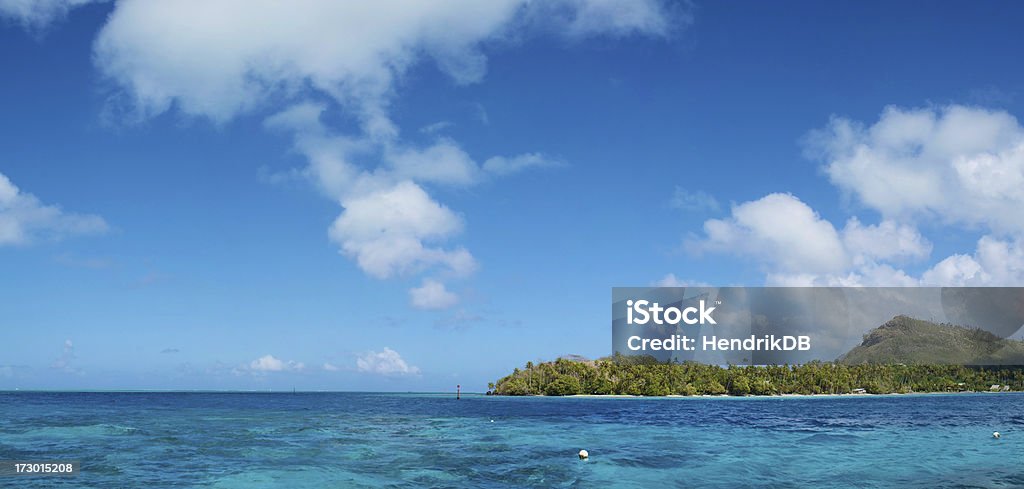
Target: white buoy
[995, 434]
[584, 455]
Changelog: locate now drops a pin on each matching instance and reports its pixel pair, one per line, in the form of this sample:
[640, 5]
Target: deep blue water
[320, 440]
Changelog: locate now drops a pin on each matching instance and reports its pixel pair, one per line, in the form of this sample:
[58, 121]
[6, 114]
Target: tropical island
[932, 358]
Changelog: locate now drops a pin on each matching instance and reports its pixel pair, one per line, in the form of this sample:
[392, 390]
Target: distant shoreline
[646, 376]
[777, 396]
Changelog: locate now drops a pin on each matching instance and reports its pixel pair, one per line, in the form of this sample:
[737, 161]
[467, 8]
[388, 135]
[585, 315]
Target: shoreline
[779, 396]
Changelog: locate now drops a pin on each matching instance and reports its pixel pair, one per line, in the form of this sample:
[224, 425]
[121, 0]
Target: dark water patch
[1011, 480]
[650, 461]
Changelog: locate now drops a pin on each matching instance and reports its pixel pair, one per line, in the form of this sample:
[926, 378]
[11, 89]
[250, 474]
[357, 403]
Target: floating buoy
[584, 455]
[995, 434]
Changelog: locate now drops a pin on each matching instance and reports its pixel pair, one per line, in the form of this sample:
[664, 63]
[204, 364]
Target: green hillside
[913, 341]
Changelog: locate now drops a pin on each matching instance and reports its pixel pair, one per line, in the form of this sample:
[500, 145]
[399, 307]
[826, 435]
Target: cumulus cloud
[887, 240]
[329, 367]
[24, 219]
[386, 362]
[797, 247]
[269, 363]
[814, 253]
[385, 231]
[995, 262]
[956, 164]
[221, 59]
[432, 294]
[779, 229]
[390, 225]
[245, 53]
[37, 14]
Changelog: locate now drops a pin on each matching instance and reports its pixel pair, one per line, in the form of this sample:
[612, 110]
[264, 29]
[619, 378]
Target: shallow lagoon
[227, 440]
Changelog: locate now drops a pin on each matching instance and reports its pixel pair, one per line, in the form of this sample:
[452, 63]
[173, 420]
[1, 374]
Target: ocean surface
[324, 440]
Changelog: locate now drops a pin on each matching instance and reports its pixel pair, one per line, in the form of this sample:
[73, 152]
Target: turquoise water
[318, 440]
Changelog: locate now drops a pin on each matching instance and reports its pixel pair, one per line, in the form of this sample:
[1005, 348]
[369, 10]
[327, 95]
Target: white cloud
[797, 247]
[390, 225]
[218, 59]
[858, 255]
[995, 262]
[432, 294]
[269, 363]
[37, 14]
[954, 270]
[334, 159]
[954, 166]
[221, 59]
[386, 230]
[778, 229]
[443, 162]
[386, 362]
[957, 164]
[24, 219]
[887, 240]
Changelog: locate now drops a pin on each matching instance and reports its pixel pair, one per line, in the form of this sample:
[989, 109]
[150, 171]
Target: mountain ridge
[904, 339]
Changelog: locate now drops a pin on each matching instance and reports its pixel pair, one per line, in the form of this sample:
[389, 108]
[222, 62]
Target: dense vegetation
[644, 376]
[901, 356]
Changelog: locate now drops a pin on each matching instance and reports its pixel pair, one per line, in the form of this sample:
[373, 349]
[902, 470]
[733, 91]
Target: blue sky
[406, 199]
